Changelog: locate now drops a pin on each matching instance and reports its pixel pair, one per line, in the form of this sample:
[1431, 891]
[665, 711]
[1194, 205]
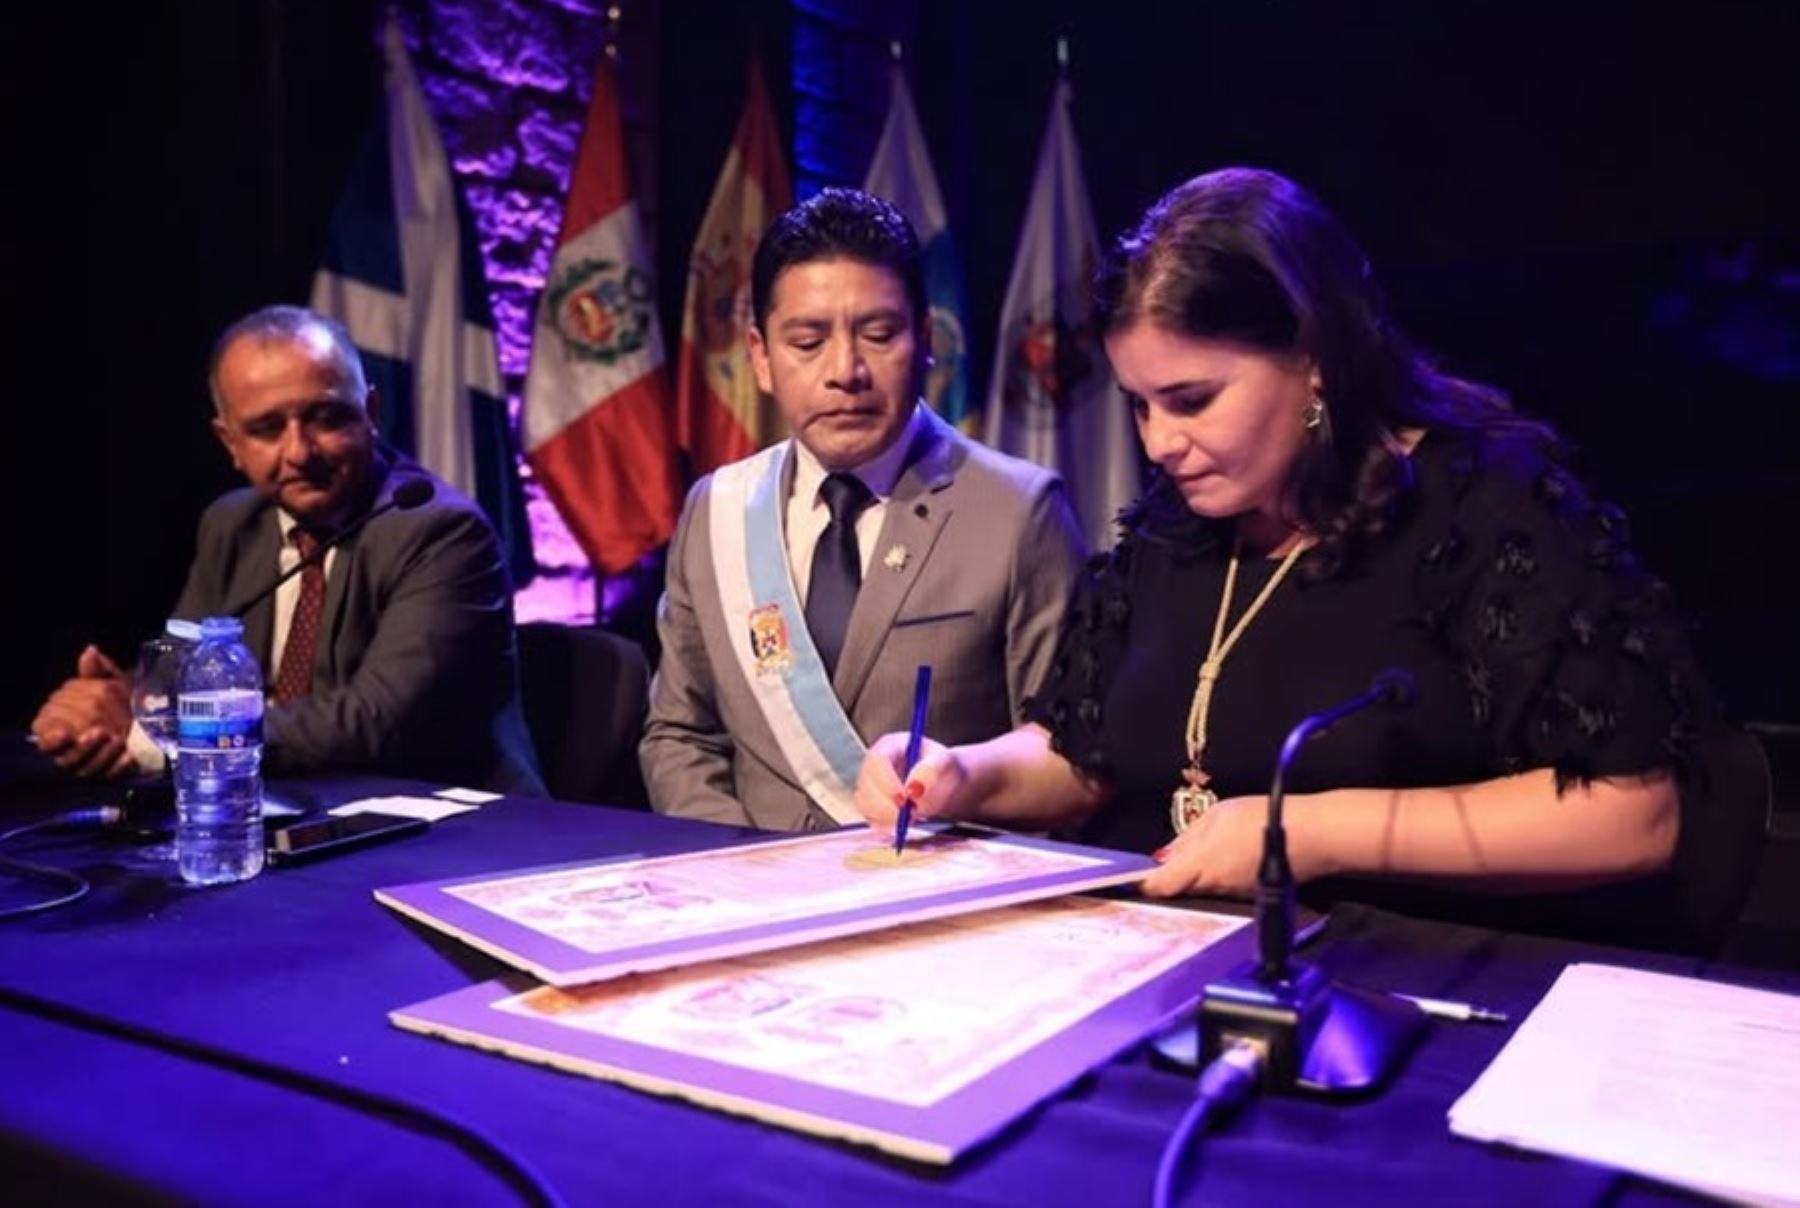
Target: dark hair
[834, 223]
[295, 323]
[1249, 256]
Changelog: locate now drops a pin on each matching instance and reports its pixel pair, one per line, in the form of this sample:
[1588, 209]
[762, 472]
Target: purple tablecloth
[299, 968]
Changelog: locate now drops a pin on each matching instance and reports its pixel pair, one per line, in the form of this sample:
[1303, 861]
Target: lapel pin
[895, 558]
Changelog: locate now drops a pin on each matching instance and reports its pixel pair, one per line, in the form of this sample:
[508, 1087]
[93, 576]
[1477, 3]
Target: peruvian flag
[596, 415]
[720, 415]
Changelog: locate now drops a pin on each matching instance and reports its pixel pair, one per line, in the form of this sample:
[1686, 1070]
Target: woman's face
[1225, 421]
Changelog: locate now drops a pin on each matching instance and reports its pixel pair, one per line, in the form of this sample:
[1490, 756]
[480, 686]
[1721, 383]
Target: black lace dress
[1535, 638]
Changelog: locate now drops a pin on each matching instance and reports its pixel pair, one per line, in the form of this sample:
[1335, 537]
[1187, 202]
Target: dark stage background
[1592, 206]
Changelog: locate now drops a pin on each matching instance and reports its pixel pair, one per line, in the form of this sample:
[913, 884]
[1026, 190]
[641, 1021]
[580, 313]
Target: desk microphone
[408, 495]
[1310, 1033]
[1393, 687]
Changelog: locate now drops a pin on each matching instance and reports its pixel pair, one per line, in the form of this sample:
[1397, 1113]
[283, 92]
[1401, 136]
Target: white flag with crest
[1053, 399]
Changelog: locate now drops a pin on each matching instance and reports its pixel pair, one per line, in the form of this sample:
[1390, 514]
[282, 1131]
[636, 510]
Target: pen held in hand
[914, 740]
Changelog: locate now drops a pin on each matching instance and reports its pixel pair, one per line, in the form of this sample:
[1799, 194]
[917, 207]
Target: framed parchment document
[577, 923]
[920, 1040]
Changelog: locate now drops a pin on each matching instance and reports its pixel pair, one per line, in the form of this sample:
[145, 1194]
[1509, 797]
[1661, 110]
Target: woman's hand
[935, 786]
[1218, 855]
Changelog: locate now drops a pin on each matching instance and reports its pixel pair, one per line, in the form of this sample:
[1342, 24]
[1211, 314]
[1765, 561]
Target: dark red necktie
[294, 680]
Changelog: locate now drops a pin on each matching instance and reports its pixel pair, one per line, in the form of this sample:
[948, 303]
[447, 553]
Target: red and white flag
[720, 416]
[596, 416]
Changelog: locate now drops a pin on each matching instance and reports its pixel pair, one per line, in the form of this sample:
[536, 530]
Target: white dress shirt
[807, 514]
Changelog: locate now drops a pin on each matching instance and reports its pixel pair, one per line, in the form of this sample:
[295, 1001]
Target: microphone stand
[1316, 1035]
[150, 804]
[407, 496]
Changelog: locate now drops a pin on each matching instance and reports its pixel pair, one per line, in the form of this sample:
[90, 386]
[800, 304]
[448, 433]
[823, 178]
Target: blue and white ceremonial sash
[767, 628]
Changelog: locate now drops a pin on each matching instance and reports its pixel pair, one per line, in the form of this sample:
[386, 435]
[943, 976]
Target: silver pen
[1461, 1012]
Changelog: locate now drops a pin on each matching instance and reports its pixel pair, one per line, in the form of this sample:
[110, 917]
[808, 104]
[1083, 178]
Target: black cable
[514, 1170]
[1224, 1084]
[76, 885]
[99, 815]
[490, 1153]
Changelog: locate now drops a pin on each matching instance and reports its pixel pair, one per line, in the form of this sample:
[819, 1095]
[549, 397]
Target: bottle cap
[214, 629]
[182, 631]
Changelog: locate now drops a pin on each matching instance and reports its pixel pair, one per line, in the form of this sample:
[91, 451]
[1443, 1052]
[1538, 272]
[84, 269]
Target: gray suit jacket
[993, 551]
[416, 674]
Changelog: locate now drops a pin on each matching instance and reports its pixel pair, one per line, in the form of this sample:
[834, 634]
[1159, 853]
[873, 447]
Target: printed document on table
[589, 920]
[1692, 1082]
[921, 1039]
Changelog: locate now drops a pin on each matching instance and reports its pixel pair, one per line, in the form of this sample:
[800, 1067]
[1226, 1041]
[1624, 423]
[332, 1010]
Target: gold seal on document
[869, 858]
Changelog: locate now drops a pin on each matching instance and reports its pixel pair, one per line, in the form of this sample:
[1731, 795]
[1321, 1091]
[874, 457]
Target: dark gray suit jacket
[417, 673]
[993, 551]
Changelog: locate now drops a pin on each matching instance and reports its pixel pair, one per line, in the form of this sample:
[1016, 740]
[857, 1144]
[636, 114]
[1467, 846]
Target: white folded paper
[1692, 1082]
[429, 808]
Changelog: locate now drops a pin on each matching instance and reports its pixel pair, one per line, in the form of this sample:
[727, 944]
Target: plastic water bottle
[218, 766]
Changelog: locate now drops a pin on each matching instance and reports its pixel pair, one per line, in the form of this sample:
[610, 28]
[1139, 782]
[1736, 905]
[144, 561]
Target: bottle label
[222, 733]
[225, 720]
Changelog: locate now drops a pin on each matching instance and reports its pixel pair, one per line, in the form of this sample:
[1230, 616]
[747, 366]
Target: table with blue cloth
[232, 1045]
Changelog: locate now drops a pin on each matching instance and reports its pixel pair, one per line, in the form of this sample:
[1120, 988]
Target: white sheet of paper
[468, 796]
[1692, 1082]
[429, 808]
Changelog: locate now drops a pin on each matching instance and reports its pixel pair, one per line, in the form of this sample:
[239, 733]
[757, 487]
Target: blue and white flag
[901, 173]
[402, 271]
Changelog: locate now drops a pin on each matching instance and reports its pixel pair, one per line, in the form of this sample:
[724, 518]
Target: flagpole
[603, 599]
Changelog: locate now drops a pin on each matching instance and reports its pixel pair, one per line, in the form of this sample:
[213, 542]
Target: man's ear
[223, 432]
[758, 349]
[372, 405]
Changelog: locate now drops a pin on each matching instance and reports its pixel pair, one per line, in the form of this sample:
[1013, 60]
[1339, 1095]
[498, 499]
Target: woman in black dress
[1327, 505]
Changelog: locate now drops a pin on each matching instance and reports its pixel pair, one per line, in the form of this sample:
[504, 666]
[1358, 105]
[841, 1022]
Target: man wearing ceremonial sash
[807, 583]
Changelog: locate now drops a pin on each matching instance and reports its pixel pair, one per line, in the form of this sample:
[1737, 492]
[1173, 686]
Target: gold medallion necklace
[1192, 798]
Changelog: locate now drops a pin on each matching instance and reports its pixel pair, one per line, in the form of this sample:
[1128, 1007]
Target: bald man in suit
[395, 652]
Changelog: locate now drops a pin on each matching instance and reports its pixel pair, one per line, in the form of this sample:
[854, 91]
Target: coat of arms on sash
[769, 640]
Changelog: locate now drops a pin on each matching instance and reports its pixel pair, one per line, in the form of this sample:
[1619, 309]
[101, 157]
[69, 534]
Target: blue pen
[915, 739]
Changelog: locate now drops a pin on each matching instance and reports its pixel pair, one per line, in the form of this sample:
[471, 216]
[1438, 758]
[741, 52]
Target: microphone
[1310, 1033]
[1393, 687]
[408, 495]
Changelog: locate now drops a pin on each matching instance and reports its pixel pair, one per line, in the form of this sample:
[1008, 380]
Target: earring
[1314, 415]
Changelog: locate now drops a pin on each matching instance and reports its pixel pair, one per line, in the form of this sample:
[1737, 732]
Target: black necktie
[836, 567]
